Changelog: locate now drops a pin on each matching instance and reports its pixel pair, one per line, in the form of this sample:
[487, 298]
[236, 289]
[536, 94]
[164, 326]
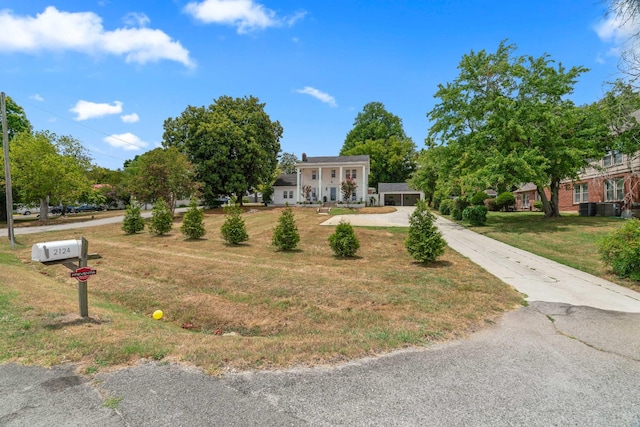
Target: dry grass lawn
[238, 307]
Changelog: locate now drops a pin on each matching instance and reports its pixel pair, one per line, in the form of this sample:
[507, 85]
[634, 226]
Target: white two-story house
[323, 177]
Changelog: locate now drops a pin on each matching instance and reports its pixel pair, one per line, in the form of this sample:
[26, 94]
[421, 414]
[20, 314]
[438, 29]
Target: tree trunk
[44, 210]
[3, 206]
[550, 206]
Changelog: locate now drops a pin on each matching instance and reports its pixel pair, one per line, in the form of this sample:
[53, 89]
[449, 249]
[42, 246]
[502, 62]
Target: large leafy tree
[42, 172]
[287, 163]
[16, 122]
[508, 120]
[162, 173]
[232, 143]
[380, 134]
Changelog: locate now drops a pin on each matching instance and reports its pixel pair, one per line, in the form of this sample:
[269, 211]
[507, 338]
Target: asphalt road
[550, 363]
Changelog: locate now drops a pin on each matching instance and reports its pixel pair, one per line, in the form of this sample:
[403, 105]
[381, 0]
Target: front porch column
[298, 173]
[365, 185]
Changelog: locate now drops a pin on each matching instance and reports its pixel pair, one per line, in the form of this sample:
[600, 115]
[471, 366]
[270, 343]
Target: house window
[284, 194]
[314, 174]
[333, 173]
[614, 190]
[348, 174]
[353, 196]
[291, 194]
[314, 195]
[612, 158]
[353, 174]
[580, 193]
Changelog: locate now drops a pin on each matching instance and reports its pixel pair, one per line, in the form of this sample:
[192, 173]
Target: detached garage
[398, 194]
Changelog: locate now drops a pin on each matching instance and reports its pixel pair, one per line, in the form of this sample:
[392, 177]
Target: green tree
[424, 242]
[161, 173]
[287, 163]
[41, 172]
[161, 218]
[133, 221]
[380, 134]
[620, 250]
[285, 235]
[232, 143]
[16, 122]
[343, 241]
[193, 221]
[507, 119]
[233, 229]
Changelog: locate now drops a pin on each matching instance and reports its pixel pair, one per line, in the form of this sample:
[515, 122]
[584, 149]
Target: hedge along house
[398, 194]
[319, 179]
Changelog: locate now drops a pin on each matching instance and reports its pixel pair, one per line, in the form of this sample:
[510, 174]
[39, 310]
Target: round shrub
[456, 213]
[446, 206]
[479, 198]
[620, 250]
[161, 218]
[133, 221]
[193, 222]
[492, 205]
[538, 205]
[343, 241]
[286, 236]
[504, 200]
[233, 230]
[475, 215]
[424, 242]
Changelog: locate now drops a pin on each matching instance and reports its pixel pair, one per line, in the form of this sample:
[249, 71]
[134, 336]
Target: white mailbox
[54, 251]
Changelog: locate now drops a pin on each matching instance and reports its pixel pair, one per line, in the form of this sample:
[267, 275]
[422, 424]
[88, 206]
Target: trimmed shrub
[133, 221]
[538, 205]
[446, 206]
[424, 242]
[492, 205]
[475, 215]
[479, 198]
[233, 230]
[343, 241]
[620, 250]
[193, 222]
[161, 218]
[504, 200]
[286, 236]
[459, 205]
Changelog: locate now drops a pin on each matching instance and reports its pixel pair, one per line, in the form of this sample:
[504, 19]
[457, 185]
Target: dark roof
[529, 186]
[286, 180]
[394, 187]
[337, 159]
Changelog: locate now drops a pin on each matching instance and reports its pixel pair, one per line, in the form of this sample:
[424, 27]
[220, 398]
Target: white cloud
[324, 97]
[90, 110]
[620, 34]
[134, 19]
[126, 141]
[130, 118]
[83, 32]
[246, 15]
[36, 97]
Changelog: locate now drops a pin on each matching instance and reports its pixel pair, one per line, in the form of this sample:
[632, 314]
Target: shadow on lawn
[536, 223]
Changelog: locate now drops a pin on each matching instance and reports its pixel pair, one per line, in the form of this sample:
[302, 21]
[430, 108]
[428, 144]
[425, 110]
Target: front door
[332, 193]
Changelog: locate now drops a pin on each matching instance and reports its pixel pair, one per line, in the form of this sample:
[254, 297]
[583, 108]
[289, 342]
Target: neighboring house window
[580, 193]
[291, 194]
[353, 196]
[525, 201]
[353, 174]
[348, 174]
[313, 194]
[314, 174]
[614, 189]
[333, 173]
[284, 194]
[613, 158]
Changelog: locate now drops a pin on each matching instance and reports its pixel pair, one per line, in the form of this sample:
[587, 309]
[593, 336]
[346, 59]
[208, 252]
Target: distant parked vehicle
[85, 208]
[26, 210]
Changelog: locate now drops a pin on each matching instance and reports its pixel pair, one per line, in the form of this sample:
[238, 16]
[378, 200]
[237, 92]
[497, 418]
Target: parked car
[55, 210]
[85, 208]
[25, 210]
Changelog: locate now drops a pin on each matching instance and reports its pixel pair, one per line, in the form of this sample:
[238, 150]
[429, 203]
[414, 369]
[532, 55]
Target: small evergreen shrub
[343, 241]
[620, 250]
[193, 222]
[475, 215]
[538, 205]
[446, 206]
[505, 200]
[286, 236]
[161, 218]
[479, 198]
[424, 242]
[234, 230]
[133, 221]
[492, 205]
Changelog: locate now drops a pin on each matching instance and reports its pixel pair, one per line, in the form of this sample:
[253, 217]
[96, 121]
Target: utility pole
[7, 170]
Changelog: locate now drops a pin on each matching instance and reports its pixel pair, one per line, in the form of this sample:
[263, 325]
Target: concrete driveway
[562, 362]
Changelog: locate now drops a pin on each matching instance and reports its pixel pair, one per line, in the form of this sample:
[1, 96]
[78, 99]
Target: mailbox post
[82, 284]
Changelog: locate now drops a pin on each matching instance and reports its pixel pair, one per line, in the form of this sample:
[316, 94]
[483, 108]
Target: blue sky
[109, 72]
